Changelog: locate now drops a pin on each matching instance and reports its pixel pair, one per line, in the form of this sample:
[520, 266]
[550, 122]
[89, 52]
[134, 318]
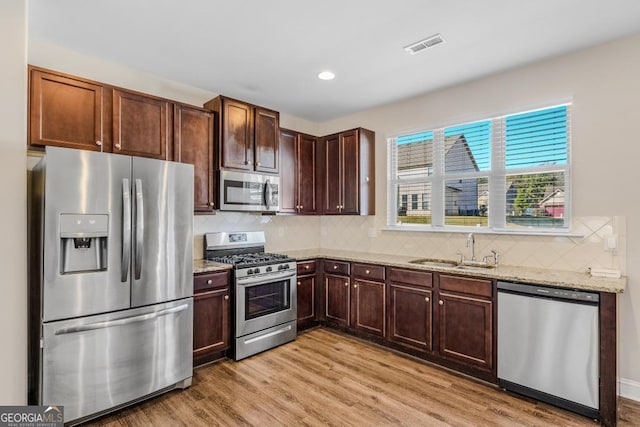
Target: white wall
[13, 184]
[604, 84]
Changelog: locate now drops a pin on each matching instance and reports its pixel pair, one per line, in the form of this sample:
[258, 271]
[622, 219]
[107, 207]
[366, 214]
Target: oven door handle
[243, 281]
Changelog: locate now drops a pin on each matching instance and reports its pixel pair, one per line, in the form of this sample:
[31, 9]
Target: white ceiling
[270, 52]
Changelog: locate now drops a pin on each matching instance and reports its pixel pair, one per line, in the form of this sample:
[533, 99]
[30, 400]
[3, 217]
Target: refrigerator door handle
[126, 230]
[139, 229]
[121, 322]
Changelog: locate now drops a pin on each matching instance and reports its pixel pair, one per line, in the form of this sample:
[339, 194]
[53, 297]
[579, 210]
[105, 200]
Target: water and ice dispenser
[83, 243]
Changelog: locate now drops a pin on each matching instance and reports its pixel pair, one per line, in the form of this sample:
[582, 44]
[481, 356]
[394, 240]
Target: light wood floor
[326, 378]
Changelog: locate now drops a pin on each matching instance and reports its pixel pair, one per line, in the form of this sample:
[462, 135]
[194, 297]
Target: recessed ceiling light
[326, 75]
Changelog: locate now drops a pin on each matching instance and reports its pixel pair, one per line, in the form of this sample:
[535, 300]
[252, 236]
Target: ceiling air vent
[416, 47]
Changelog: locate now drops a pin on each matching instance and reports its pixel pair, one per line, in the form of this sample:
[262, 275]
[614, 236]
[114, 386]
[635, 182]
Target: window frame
[496, 177]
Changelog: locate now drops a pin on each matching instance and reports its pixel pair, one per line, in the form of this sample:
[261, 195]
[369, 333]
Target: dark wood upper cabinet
[299, 184]
[267, 137]
[332, 175]
[465, 321]
[349, 173]
[249, 135]
[194, 144]
[67, 111]
[141, 125]
[288, 171]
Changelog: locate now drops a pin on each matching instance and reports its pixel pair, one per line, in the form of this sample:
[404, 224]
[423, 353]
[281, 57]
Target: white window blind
[506, 173]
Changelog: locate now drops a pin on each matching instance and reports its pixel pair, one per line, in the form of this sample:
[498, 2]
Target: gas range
[264, 290]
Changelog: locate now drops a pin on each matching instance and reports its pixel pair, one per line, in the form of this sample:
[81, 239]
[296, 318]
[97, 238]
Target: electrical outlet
[611, 243]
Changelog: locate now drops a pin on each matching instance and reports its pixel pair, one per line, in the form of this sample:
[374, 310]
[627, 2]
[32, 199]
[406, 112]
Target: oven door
[263, 302]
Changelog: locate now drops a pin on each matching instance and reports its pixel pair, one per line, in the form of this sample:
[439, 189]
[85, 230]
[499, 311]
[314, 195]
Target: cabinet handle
[246, 162]
[209, 282]
[335, 267]
[99, 143]
[426, 299]
[306, 267]
[367, 271]
[346, 283]
[441, 302]
[226, 297]
[257, 164]
[300, 206]
[299, 283]
[118, 146]
[338, 207]
[212, 204]
[355, 286]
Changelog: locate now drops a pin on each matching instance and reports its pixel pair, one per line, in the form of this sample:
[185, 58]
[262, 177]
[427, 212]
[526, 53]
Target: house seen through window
[507, 172]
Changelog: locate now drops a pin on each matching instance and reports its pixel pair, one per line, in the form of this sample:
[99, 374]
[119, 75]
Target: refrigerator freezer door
[87, 186]
[98, 362]
[163, 231]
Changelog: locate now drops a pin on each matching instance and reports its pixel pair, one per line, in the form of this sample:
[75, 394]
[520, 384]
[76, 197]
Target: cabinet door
[210, 322]
[66, 112]
[466, 328]
[332, 175]
[288, 184]
[237, 135]
[141, 125]
[307, 174]
[368, 307]
[306, 298]
[350, 172]
[193, 144]
[336, 298]
[410, 316]
[267, 131]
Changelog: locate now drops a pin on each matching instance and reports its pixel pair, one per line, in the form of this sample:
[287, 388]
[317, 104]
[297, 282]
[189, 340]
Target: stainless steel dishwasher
[548, 345]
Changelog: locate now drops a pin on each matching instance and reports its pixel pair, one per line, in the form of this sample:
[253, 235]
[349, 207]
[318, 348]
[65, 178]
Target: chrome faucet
[471, 240]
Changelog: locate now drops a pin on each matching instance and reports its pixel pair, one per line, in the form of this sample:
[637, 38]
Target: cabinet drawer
[411, 277]
[306, 267]
[368, 271]
[208, 281]
[467, 285]
[337, 267]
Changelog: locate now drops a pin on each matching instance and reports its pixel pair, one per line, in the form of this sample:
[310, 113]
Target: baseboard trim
[629, 389]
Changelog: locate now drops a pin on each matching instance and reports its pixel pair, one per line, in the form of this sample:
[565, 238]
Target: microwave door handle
[139, 229]
[266, 194]
[126, 230]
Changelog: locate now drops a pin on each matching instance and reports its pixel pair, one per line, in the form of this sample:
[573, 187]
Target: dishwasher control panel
[549, 292]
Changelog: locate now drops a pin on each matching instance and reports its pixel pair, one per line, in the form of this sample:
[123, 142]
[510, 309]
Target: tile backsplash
[366, 234]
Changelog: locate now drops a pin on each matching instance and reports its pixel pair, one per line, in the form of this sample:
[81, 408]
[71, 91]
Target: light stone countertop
[564, 279]
[205, 266]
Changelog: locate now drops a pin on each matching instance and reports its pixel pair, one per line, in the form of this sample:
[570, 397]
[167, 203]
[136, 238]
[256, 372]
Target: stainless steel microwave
[252, 192]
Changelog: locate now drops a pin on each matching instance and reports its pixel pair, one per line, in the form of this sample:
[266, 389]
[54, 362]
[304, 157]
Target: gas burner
[250, 259]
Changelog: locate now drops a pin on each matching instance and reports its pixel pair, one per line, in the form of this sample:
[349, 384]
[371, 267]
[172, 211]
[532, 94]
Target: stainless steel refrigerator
[111, 280]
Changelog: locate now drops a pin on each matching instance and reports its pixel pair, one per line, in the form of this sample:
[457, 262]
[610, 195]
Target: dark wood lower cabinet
[368, 306]
[211, 321]
[336, 296]
[410, 316]
[306, 298]
[466, 329]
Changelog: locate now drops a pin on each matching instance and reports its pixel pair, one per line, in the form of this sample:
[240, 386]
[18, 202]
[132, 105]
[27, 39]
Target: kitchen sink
[466, 265]
[427, 262]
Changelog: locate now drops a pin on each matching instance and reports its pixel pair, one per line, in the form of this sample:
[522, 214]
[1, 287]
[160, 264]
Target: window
[504, 173]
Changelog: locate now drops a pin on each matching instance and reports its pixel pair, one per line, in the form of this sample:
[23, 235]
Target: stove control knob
[281, 267]
[249, 271]
[269, 269]
[256, 270]
[286, 266]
